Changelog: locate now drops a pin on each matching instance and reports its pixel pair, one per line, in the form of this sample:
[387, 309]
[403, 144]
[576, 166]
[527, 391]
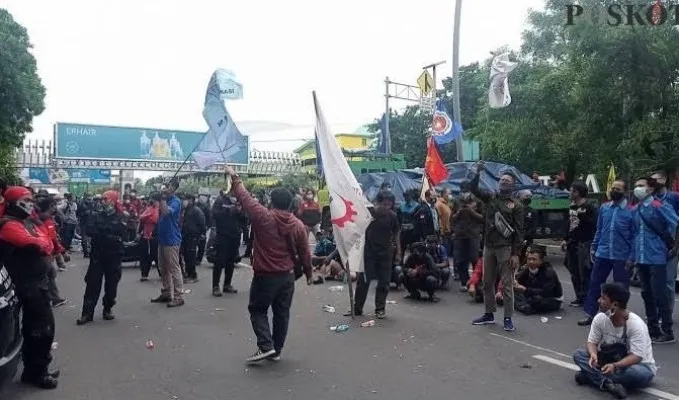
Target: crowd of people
[410, 244]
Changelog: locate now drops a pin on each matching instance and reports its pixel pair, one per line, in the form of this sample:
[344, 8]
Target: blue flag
[443, 128]
[319, 160]
[384, 131]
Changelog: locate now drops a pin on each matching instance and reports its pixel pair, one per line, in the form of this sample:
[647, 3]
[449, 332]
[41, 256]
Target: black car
[10, 329]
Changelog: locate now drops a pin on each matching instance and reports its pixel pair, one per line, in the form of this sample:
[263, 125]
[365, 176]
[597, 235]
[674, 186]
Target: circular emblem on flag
[510, 205]
[441, 124]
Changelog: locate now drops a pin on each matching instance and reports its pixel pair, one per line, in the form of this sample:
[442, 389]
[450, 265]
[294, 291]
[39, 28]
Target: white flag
[223, 84]
[498, 93]
[426, 186]
[223, 139]
[348, 206]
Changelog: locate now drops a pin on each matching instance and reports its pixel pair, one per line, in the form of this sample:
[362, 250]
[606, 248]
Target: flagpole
[456, 78]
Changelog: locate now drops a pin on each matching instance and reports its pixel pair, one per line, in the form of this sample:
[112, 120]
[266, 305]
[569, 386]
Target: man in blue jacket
[672, 198]
[611, 248]
[655, 225]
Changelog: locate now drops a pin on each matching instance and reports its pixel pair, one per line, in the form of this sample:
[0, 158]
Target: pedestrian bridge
[40, 154]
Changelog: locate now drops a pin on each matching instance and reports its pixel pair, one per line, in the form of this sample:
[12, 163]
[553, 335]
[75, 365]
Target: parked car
[10, 329]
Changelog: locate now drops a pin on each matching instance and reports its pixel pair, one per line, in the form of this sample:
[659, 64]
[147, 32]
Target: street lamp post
[456, 77]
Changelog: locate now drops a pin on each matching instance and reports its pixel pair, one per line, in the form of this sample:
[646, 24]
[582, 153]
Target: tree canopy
[583, 96]
[21, 91]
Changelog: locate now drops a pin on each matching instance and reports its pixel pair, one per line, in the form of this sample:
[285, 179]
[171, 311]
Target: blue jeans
[634, 377]
[602, 267]
[656, 297]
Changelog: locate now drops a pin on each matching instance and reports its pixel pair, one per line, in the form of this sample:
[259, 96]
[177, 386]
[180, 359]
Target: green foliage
[21, 91]
[583, 96]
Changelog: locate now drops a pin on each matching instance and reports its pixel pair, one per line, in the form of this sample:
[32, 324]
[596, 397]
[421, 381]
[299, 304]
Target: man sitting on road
[420, 273]
[538, 287]
[618, 355]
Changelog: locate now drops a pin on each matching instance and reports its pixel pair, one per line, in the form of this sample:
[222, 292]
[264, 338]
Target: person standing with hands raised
[281, 243]
[502, 244]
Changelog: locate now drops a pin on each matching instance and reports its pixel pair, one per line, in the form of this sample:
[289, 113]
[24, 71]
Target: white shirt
[603, 331]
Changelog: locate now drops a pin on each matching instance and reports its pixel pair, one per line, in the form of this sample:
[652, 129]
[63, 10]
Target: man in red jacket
[26, 251]
[278, 235]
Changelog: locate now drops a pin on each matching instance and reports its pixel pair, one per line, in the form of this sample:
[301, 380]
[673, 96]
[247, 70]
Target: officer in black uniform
[107, 234]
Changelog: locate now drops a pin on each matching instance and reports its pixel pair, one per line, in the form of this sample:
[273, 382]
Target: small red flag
[433, 164]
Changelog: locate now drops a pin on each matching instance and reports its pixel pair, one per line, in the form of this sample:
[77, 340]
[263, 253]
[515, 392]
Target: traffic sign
[425, 82]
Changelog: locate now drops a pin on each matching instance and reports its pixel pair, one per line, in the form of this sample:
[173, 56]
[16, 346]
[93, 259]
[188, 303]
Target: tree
[21, 91]
[583, 96]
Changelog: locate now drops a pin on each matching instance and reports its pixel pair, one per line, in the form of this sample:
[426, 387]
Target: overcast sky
[146, 63]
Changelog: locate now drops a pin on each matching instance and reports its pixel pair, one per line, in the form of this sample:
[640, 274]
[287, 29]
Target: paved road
[422, 351]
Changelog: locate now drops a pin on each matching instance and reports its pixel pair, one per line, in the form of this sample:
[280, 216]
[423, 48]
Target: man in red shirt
[281, 242]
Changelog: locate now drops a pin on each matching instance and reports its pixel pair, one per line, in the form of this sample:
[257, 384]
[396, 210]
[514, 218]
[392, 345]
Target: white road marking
[554, 361]
[573, 367]
[530, 345]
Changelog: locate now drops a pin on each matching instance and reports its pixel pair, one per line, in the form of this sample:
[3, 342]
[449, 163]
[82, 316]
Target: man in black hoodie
[229, 222]
[193, 228]
[537, 285]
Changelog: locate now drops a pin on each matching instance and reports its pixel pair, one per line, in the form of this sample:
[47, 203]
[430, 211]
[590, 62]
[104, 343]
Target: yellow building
[360, 139]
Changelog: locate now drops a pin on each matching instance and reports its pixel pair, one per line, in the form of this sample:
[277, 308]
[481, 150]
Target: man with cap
[26, 251]
[107, 234]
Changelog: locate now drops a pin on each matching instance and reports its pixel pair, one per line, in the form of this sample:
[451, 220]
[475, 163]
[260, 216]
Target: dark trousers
[600, 271]
[466, 252]
[397, 275]
[189, 249]
[656, 299]
[427, 284]
[227, 252]
[67, 234]
[249, 242]
[149, 254]
[376, 266]
[407, 238]
[535, 304]
[273, 291]
[37, 330]
[106, 271]
[202, 241]
[579, 265]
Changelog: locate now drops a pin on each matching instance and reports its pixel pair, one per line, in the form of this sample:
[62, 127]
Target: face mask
[127, 201]
[185, 203]
[640, 192]
[309, 197]
[450, 197]
[25, 206]
[506, 188]
[616, 196]
[109, 209]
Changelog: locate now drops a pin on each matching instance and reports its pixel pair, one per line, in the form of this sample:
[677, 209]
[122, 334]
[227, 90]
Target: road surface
[421, 351]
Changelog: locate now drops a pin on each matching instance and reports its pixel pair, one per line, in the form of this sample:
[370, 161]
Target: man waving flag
[348, 207]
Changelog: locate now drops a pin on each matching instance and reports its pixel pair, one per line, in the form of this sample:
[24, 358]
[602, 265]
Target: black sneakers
[260, 355]
[616, 389]
[663, 338]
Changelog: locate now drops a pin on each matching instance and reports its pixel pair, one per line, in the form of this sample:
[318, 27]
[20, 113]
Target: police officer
[107, 234]
[25, 250]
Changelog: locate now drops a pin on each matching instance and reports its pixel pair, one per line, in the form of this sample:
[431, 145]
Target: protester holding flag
[281, 243]
[380, 235]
